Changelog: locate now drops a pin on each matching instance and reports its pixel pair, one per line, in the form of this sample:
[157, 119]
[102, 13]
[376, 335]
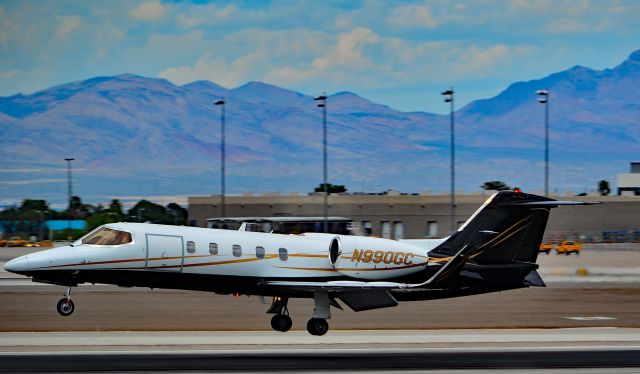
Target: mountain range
[134, 136]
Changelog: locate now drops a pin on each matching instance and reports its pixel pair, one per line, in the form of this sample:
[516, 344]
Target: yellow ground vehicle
[16, 241]
[3, 242]
[568, 246]
[546, 247]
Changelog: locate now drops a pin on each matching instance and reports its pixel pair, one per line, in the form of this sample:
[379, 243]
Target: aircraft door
[164, 252]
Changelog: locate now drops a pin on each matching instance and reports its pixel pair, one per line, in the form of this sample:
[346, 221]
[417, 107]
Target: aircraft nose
[18, 264]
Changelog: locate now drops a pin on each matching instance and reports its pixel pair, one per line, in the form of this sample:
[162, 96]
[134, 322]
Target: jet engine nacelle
[374, 258]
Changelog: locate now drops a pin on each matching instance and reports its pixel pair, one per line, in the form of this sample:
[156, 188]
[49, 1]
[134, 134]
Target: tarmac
[386, 340]
[610, 350]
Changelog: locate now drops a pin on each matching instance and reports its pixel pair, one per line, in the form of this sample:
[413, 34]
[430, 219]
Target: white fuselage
[191, 250]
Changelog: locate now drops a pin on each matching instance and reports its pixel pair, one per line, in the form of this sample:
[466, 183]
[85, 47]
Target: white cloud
[348, 50]
[4, 34]
[412, 16]
[281, 57]
[528, 6]
[213, 69]
[9, 74]
[149, 11]
[346, 54]
[26, 170]
[343, 21]
[565, 26]
[186, 21]
[66, 25]
[482, 61]
[225, 13]
[291, 76]
[205, 14]
[32, 181]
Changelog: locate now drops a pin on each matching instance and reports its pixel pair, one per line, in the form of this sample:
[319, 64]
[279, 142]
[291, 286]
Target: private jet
[494, 250]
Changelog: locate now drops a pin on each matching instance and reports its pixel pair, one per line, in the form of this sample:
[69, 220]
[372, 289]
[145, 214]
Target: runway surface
[338, 350]
[335, 339]
[385, 361]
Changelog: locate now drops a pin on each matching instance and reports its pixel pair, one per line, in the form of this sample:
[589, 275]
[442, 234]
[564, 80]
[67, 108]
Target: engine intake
[335, 250]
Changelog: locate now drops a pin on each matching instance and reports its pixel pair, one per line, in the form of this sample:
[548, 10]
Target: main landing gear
[65, 305]
[317, 325]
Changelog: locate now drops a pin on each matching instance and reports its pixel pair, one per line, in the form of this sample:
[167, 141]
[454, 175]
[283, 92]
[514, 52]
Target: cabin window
[366, 225]
[191, 246]
[237, 250]
[386, 229]
[432, 229]
[213, 248]
[283, 254]
[107, 236]
[260, 252]
[398, 230]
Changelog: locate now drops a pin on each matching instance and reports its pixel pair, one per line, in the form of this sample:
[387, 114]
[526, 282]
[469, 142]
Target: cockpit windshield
[107, 236]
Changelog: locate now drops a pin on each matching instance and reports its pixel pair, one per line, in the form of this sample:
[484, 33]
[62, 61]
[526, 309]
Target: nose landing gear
[281, 320]
[65, 306]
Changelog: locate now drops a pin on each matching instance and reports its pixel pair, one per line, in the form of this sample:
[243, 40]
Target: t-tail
[503, 236]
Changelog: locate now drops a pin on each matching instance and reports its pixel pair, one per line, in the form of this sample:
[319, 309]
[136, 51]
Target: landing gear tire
[317, 326]
[281, 322]
[65, 307]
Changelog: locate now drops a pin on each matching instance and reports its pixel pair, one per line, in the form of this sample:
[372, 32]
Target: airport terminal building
[399, 216]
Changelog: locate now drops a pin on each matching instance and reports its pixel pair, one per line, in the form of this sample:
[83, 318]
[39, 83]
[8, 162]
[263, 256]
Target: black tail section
[507, 229]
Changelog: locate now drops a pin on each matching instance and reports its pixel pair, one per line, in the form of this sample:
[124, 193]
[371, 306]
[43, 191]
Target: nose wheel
[65, 306]
[281, 322]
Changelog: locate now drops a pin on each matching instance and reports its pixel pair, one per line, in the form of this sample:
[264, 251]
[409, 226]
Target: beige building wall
[421, 215]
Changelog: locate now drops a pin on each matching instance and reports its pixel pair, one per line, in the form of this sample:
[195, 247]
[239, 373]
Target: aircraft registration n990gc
[494, 250]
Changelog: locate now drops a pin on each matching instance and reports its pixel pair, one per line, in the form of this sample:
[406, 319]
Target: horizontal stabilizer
[533, 279]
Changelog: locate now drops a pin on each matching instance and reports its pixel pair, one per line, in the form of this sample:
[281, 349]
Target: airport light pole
[325, 188]
[543, 98]
[448, 98]
[69, 190]
[221, 103]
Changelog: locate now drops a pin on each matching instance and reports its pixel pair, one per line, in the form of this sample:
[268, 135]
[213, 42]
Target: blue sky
[399, 53]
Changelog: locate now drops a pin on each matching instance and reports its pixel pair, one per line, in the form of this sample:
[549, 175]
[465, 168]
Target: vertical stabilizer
[507, 228]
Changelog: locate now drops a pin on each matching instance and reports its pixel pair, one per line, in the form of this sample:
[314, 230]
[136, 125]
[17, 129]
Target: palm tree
[603, 188]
